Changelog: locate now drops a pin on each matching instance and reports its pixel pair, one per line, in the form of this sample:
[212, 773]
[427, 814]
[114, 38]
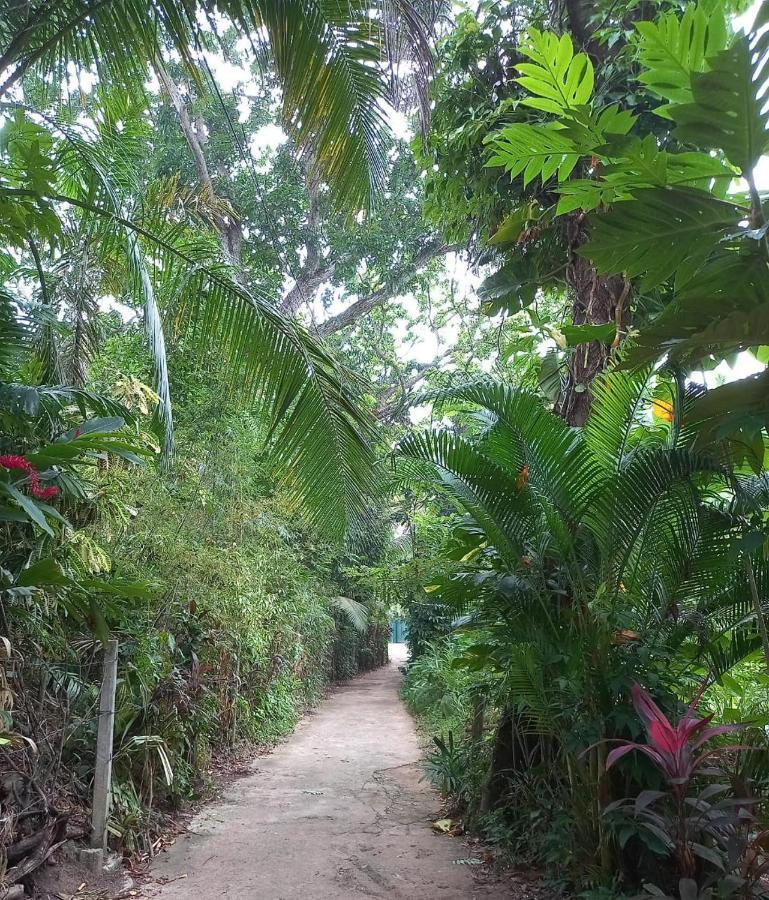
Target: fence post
[102, 781]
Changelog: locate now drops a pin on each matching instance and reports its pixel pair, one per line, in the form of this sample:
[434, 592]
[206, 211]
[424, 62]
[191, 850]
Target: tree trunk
[502, 762]
[596, 300]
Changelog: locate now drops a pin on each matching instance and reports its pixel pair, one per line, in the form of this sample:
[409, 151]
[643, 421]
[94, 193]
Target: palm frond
[616, 412]
[16, 334]
[73, 294]
[733, 649]
[554, 459]
[532, 690]
[85, 33]
[51, 401]
[321, 438]
[353, 610]
[707, 583]
[648, 515]
[329, 57]
[476, 483]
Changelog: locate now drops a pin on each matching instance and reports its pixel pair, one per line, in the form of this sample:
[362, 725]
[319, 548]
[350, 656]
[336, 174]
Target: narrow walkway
[338, 811]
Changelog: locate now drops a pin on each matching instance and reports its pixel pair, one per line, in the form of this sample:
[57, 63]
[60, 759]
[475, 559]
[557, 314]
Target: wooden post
[102, 781]
[235, 696]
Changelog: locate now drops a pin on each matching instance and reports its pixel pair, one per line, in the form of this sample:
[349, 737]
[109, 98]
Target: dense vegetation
[630, 549]
[212, 313]
[179, 462]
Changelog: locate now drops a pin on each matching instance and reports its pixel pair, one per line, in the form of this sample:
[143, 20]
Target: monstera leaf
[575, 335]
[659, 234]
[709, 315]
[559, 83]
[536, 152]
[510, 289]
[670, 49]
[736, 413]
[726, 112]
[558, 79]
[633, 164]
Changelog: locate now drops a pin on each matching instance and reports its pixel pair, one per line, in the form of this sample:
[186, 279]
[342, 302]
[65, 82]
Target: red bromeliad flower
[22, 464]
[672, 748]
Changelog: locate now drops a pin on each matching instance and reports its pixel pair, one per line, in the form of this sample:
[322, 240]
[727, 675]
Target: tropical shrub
[589, 559]
[246, 631]
[709, 833]
[222, 600]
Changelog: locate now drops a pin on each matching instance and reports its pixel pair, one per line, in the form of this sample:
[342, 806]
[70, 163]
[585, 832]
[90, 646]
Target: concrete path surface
[338, 811]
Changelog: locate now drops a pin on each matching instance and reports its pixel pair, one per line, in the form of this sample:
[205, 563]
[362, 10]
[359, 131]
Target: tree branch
[316, 268]
[190, 135]
[388, 404]
[314, 273]
[228, 227]
[398, 285]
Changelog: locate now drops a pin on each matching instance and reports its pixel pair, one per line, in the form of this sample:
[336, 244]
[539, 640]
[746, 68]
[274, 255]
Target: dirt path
[338, 811]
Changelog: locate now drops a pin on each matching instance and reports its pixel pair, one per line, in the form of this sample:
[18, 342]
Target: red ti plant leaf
[671, 747]
[674, 751]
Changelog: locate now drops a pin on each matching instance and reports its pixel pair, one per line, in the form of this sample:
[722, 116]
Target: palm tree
[589, 558]
[328, 59]
[55, 175]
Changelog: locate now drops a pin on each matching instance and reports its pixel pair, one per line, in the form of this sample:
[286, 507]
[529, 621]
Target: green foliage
[673, 47]
[559, 79]
[166, 265]
[726, 110]
[662, 233]
[560, 83]
[325, 58]
[425, 622]
[243, 627]
[436, 689]
[658, 211]
[472, 98]
[446, 767]
[542, 568]
[585, 559]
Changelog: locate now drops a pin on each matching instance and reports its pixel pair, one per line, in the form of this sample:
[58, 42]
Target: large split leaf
[559, 83]
[660, 233]
[633, 164]
[671, 48]
[583, 334]
[536, 152]
[736, 407]
[512, 288]
[558, 79]
[726, 112]
[710, 315]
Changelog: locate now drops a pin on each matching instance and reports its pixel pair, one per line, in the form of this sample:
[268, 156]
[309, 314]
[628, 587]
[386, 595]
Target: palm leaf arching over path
[328, 59]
